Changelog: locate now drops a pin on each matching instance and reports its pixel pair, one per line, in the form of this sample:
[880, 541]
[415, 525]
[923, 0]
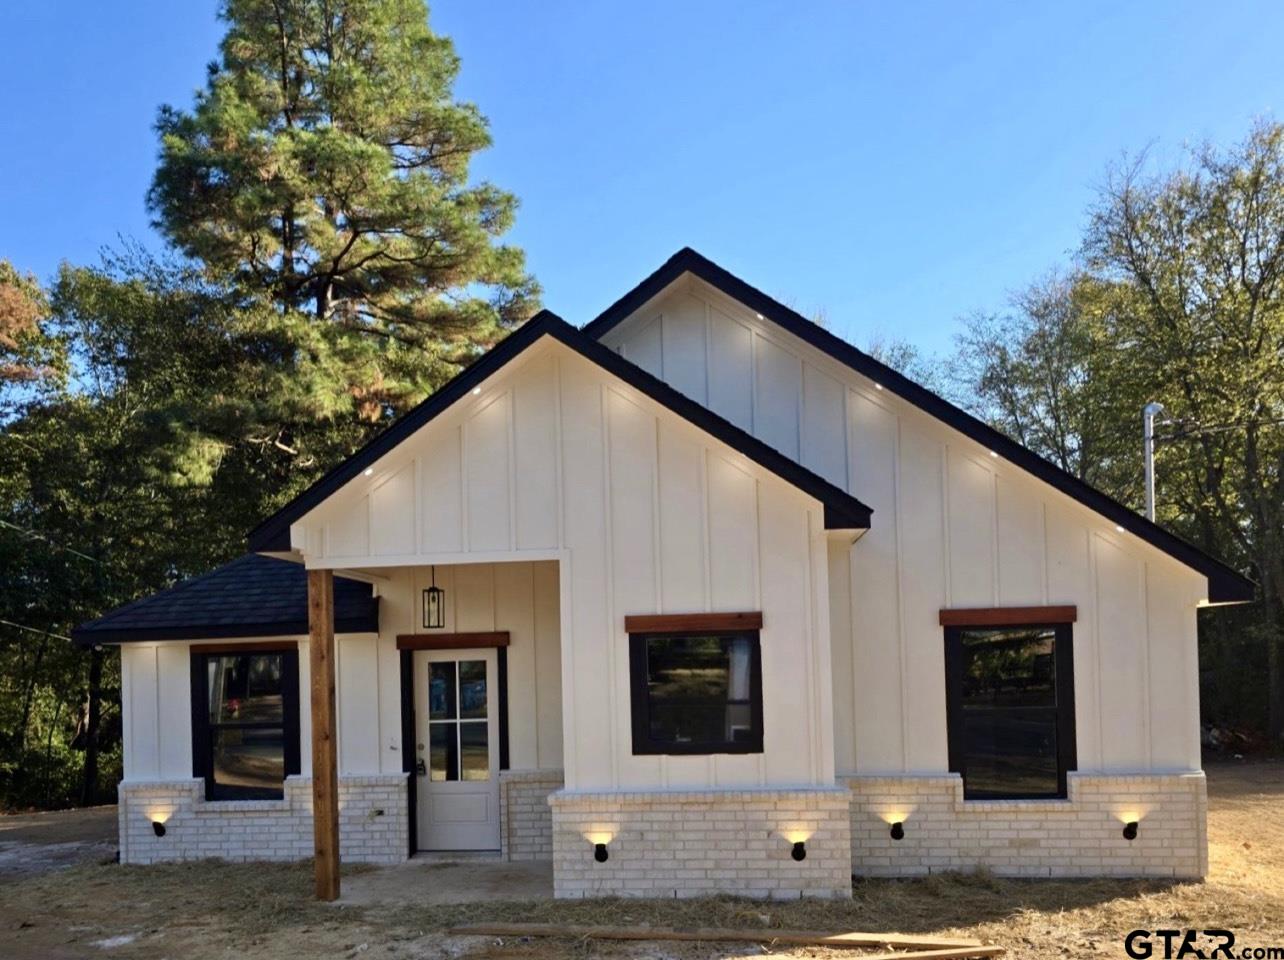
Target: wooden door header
[451, 641]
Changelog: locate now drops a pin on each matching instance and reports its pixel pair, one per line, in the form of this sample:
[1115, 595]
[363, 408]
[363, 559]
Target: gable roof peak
[1225, 584]
[842, 511]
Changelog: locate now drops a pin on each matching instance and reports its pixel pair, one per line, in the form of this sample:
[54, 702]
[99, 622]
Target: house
[696, 598]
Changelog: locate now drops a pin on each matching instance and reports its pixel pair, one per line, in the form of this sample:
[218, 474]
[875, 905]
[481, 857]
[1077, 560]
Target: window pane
[1008, 710]
[441, 691]
[443, 753]
[249, 762]
[698, 689]
[1011, 752]
[246, 688]
[472, 689]
[474, 751]
[1009, 668]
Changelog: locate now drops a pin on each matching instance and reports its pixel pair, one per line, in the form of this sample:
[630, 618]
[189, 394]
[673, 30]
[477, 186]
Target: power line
[1198, 431]
[46, 633]
[40, 536]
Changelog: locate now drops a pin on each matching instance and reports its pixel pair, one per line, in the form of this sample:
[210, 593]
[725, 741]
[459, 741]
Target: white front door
[457, 730]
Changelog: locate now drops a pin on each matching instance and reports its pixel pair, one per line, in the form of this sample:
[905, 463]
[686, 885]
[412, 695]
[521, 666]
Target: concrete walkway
[435, 879]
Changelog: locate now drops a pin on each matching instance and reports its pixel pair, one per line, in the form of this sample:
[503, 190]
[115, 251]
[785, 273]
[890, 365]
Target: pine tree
[323, 176]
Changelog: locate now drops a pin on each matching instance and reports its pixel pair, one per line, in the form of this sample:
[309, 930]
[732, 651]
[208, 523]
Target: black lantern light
[1130, 830]
[434, 604]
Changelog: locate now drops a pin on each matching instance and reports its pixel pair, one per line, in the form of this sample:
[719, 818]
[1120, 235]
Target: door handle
[421, 768]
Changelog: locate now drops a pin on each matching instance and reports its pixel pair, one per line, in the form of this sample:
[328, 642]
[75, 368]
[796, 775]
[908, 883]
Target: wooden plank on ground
[940, 948]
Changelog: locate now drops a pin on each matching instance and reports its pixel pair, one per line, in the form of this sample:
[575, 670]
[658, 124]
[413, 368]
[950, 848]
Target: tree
[1044, 374]
[1197, 262]
[324, 168]
[29, 356]
[1178, 297]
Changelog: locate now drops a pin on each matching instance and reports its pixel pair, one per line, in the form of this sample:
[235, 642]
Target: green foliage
[1179, 298]
[331, 266]
[324, 168]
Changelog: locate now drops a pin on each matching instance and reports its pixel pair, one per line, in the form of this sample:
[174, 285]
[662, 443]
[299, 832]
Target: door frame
[407, 644]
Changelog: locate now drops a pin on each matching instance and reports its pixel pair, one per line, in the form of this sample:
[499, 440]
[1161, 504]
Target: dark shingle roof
[253, 596]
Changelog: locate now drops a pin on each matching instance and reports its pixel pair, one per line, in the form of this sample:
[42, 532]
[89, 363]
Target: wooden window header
[1008, 616]
[692, 622]
[249, 646]
[451, 641]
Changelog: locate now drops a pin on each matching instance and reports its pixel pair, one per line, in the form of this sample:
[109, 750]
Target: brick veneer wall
[1079, 836]
[525, 817]
[373, 822]
[684, 844]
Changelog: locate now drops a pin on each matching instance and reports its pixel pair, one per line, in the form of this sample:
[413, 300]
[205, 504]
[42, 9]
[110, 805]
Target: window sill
[1016, 803]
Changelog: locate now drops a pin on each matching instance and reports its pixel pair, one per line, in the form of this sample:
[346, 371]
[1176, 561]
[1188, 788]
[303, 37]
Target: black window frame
[203, 729]
[640, 701]
[1063, 665]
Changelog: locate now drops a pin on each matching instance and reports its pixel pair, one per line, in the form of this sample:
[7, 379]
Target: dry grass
[218, 910]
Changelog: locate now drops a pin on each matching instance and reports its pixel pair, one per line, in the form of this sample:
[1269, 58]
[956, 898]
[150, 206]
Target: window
[1010, 704]
[697, 692]
[245, 721]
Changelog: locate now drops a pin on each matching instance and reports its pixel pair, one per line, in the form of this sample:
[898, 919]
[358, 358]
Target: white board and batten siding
[952, 527]
[555, 459]
[521, 598]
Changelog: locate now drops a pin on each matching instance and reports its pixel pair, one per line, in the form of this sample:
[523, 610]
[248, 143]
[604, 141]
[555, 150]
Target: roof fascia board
[229, 631]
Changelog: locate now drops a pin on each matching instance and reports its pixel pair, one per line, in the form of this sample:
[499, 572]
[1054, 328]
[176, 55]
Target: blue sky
[894, 165]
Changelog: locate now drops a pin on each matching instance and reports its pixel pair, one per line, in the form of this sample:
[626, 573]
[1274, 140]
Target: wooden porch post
[325, 766]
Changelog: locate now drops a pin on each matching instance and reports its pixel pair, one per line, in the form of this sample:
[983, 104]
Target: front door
[457, 718]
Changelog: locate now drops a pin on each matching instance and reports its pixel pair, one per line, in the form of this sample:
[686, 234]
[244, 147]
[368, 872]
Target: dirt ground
[216, 910]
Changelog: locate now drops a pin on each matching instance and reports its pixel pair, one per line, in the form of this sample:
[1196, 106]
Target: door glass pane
[441, 691]
[246, 688]
[443, 754]
[252, 761]
[475, 751]
[472, 689]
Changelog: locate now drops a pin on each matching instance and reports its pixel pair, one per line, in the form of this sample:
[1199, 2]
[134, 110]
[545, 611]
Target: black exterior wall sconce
[799, 851]
[1130, 830]
[599, 853]
[898, 830]
[158, 828]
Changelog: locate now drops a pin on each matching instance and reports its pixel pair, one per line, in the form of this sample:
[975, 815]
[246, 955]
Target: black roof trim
[1225, 584]
[842, 510]
[252, 596]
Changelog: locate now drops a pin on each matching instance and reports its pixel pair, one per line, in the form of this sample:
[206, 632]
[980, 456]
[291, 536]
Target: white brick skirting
[527, 821]
[685, 844]
[1081, 836]
[373, 822]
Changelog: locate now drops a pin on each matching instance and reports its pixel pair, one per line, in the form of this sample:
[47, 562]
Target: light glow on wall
[796, 833]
